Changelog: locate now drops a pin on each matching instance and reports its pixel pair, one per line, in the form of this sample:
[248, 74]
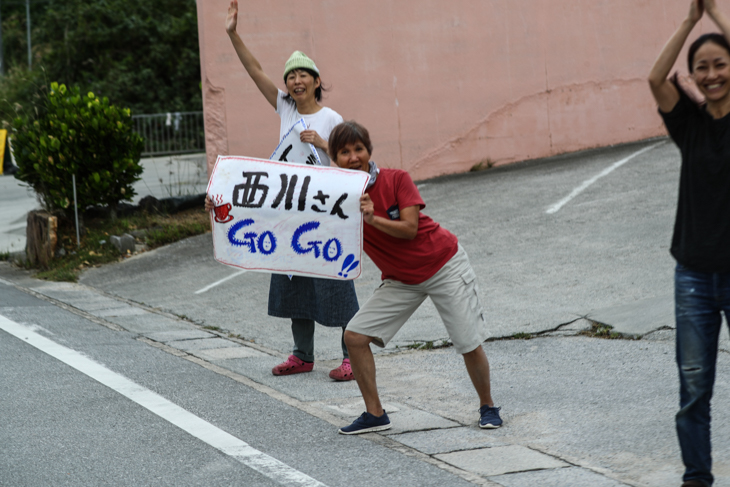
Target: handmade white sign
[287, 218]
[292, 149]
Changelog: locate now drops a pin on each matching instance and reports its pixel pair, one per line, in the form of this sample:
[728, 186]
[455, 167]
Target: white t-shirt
[322, 122]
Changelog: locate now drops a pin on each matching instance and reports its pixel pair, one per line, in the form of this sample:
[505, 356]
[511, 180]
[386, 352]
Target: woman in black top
[701, 241]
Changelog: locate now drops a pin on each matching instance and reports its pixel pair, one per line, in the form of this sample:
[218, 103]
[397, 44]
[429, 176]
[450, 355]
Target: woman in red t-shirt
[418, 259]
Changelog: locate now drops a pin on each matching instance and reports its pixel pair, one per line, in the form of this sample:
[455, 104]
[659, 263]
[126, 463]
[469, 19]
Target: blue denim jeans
[700, 299]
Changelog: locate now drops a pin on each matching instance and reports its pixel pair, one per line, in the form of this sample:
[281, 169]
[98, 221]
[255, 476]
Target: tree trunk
[41, 238]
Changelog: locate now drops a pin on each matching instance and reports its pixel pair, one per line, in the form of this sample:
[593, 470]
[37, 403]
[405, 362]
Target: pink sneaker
[343, 372]
[292, 365]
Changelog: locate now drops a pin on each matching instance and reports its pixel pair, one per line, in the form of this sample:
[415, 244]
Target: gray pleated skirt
[327, 301]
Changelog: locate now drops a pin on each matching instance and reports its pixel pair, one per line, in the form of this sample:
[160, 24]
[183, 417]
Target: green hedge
[82, 135]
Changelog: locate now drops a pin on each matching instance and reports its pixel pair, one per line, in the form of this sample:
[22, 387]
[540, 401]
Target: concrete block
[47, 286]
[558, 477]
[200, 344]
[92, 304]
[124, 243]
[448, 440]
[89, 301]
[416, 420]
[119, 311]
[218, 354]
[149, 323]
[170, 336]
[501, 460]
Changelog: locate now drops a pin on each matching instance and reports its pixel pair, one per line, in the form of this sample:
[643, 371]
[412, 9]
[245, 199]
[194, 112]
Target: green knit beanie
[299, 60]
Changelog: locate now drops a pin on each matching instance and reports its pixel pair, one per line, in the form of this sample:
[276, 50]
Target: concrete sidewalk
[578, 411]
[16, 200]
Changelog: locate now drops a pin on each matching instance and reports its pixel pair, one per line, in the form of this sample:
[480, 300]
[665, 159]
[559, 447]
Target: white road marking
[557, 206]
[211, 286]
[188, 422]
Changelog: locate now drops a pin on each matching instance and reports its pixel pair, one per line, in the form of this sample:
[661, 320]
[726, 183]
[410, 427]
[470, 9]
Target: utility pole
[2, 67]
[27, 18]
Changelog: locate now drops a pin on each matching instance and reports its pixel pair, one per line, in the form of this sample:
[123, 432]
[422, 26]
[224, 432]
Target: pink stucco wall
[443, 85]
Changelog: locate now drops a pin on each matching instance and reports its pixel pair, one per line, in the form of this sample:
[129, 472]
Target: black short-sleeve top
[701, 239]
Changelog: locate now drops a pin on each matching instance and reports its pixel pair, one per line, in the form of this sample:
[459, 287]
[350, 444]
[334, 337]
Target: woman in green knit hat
[302, 299]
[304, 91]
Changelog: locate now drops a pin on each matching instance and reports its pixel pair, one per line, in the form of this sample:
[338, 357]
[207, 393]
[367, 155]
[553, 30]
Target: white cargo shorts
[454, 292]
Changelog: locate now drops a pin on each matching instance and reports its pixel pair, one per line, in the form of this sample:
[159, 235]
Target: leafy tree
[21, 89]
[22, 92]
[142, 54]
[15, 39]
[82, 135]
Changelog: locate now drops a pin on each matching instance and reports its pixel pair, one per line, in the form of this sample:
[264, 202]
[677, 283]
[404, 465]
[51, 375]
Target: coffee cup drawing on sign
[222, 213]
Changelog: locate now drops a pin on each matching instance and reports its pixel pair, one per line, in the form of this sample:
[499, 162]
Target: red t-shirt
[407, 261]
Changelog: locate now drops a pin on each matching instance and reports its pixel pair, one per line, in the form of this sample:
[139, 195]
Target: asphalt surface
[555, 244]
[61, 427]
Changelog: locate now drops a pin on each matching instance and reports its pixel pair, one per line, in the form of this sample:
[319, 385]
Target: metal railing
[171, 133]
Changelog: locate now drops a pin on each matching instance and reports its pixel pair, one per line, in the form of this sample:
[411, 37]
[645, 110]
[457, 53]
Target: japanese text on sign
[287, 218]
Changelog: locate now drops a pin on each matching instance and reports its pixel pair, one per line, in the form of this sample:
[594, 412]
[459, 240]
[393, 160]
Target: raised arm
[664, 91]
[263, 82]
[718, 17]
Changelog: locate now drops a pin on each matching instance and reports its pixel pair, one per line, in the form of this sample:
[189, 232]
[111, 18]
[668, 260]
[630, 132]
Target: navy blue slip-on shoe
[367, 423]
[489, 417]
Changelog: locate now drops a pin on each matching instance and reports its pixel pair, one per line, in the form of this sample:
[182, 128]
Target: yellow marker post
[3, 138]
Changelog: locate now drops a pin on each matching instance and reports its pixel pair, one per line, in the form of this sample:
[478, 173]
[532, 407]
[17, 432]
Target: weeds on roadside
[599, 330]
[241, 337]
[428, 345]
[157, 237]
[482, 165]
[96, 248]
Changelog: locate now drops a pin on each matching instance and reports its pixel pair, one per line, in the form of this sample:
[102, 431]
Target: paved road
[85, 405]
